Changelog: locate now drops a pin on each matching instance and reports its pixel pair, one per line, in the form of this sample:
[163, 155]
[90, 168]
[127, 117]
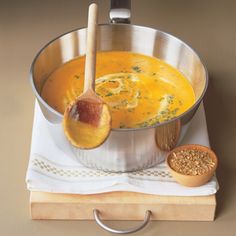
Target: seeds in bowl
[191, 162]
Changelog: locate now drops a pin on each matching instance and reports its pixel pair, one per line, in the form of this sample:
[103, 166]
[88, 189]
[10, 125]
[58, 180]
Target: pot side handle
[120, 11]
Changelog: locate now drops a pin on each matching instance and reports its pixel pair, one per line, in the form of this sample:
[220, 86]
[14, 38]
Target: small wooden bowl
[192, 180]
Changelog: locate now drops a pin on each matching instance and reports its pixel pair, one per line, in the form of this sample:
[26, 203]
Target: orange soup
[140, 90]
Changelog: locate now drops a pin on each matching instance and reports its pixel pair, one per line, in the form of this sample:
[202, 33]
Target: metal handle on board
[125, 231]
[120, 11]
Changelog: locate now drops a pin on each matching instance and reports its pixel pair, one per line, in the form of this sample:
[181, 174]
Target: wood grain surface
[124, 205]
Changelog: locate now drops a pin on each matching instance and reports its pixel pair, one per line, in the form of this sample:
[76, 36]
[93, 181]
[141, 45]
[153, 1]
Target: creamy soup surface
[140, 90]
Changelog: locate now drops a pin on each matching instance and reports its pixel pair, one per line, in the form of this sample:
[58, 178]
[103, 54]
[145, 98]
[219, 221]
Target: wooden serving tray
[121, 206]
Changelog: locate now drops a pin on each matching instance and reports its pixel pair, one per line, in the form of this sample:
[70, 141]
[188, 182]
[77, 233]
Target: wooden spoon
[87, 121]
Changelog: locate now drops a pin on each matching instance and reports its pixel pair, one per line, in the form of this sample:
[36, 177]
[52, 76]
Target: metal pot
[125, 149]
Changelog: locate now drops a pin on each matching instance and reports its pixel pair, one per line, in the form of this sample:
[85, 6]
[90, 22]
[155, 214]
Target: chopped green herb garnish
[130, 109]
[144, 124]
[109, 94]
[122, 125]
[137, 69]
[174, 111]
[170, 99]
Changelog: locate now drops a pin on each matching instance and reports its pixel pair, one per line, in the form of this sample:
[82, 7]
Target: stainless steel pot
[125, 149]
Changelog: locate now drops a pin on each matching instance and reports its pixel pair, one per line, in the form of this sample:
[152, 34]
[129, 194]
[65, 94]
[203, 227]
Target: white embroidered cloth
[52, 170]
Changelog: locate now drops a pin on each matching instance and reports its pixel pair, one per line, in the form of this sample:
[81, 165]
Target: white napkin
[52, 170]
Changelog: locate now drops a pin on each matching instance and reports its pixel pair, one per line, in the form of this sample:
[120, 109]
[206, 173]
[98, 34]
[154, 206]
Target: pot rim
[197, 102]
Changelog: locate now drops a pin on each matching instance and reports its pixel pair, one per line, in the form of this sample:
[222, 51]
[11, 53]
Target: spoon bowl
[87, 121]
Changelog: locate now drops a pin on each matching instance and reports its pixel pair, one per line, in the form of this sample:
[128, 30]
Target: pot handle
[120, 11]
[124, 231]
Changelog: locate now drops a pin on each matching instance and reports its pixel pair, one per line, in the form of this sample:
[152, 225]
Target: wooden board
[121, 206]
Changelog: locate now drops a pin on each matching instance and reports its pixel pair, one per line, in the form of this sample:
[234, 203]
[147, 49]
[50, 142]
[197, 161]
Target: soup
[140, 90]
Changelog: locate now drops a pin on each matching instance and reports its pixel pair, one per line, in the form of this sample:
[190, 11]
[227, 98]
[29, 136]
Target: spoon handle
[90, 62]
